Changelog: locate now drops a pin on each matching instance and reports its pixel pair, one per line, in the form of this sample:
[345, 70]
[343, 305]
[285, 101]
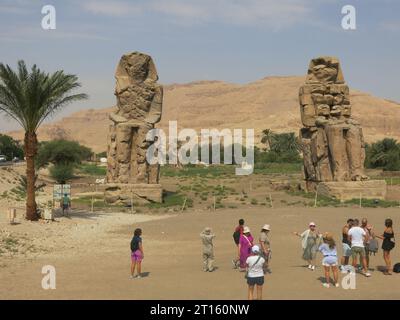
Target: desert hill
[271, 102]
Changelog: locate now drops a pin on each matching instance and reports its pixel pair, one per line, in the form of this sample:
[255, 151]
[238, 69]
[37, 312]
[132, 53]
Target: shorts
[357, 250]
[346, 250]
[65, 206]
[259, 281]
[330, 261]
[136, 256]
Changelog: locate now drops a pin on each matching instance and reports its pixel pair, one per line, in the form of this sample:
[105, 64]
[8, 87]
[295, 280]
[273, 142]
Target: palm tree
[29, 98]
[266, 135]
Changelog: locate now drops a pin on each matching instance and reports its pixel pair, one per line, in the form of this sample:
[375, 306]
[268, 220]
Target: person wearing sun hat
[244, 248]
[208, 249]
[265, 246]
[310, 239]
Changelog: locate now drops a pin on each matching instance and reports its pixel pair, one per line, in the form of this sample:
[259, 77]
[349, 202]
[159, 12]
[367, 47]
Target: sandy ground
[91, 255]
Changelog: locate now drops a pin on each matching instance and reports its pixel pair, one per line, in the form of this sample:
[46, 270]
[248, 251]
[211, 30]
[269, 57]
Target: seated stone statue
[139, 107]
[332, 142]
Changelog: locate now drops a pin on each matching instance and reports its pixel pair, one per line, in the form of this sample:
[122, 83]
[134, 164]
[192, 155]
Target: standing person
[65, 203]
[137, 254]
[208, 249]
[357, 237]
[346, 243]
[265, 246]
[330, 259]
[309, 242]
[244, 248]
[369, 235]
[387, 245]
[255, 273]
[236, 238]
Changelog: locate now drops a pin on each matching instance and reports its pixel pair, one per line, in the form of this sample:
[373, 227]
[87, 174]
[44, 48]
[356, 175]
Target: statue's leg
[141, 149]
[337, 151]
[356, 152]
[309, 168]
[112, 155]
[321, 152]
[124, 144]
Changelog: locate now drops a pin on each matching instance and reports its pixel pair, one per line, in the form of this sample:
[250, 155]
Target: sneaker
[309, 266]
[234, 264]
[367, 274]
[326, 285]
[312, 268]
[337, 285]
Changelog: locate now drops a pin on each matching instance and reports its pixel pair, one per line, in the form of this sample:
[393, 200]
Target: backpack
[396, 268]
[373, 246]
[134, 244]
[236, 237]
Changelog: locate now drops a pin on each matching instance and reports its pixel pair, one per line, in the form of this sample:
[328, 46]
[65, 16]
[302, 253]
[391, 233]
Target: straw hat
[267, 227]
[246, 230]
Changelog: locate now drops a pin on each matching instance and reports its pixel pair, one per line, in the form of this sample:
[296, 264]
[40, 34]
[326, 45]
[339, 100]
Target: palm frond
[30, 97]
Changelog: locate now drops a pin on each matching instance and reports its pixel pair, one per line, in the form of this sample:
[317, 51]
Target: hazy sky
[232, 40]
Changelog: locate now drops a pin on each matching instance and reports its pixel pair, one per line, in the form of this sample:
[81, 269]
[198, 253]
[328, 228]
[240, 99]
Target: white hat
[266, 227]
[312, 224]
[246, 229]
[255, 249]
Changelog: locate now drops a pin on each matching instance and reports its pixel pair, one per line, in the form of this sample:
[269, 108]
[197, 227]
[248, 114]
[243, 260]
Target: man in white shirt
[357, 237]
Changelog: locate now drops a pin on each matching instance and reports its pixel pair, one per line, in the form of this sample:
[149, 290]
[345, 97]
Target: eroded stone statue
[333, 143]
[139, 108]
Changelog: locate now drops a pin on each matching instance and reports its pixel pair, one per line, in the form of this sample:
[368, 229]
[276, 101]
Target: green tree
[61, 152]
[383, 154]
[29, 97]
[266, 135]
[10, 147]
[62, 172]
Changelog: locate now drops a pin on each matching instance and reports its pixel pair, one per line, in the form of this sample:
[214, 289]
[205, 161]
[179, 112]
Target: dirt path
[97, 266]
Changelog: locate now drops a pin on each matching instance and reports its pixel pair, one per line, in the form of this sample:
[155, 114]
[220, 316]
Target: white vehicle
[3, 158]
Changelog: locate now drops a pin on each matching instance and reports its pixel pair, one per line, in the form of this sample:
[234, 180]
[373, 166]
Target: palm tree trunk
[30, 152]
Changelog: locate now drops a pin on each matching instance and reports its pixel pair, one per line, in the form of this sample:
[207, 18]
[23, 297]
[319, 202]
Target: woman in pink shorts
[137, 254]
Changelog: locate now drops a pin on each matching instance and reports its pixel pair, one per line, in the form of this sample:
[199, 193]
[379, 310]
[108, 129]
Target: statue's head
[137, 66]
[325, 70]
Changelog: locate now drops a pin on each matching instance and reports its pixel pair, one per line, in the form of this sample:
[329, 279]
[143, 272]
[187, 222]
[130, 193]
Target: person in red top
[236, 237]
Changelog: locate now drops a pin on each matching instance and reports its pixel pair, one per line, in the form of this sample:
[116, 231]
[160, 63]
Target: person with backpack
[255, 273]
[330, 259]
[244, 248]
[236, 238]
[137, 254]
[387, 245]
[208, 249]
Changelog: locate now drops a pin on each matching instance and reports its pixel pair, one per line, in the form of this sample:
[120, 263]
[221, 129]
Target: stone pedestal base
[118, 193]
[347, 190]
